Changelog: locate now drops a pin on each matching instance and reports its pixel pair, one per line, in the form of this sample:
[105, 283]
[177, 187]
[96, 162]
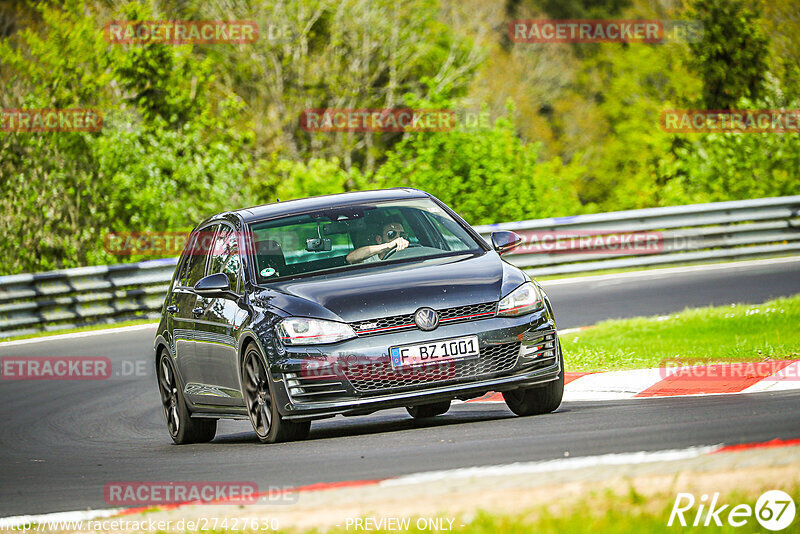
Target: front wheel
[182, 428]
[537, 400]
[269, 425]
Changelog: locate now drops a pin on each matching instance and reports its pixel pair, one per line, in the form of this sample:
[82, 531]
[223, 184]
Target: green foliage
[487, 174]
[638, 82]
[730, 166]
[162, 161]
[731, 58]
[285, 179]
[195, 129]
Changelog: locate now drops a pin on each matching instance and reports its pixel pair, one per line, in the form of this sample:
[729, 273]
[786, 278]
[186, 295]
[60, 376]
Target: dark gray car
[348, 304]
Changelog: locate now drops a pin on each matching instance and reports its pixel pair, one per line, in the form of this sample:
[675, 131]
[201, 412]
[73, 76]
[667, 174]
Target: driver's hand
[401, 243]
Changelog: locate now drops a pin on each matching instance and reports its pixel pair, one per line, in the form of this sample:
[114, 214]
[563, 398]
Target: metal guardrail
[56, 300]
[718, 231]
[686, 234]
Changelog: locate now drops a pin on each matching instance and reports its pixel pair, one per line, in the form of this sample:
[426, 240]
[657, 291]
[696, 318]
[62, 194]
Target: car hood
[396, 289]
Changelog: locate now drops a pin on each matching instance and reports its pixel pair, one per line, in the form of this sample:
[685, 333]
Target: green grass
[612, 514]
[604, 512]
[88, 328]
[742, 332]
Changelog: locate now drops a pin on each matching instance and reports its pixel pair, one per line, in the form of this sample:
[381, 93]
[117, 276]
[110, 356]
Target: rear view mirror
[318, 244]
[213, 286]
[505, 241]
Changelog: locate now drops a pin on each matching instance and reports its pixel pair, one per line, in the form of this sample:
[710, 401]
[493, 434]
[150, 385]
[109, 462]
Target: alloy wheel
[259, 400]
[169, 396]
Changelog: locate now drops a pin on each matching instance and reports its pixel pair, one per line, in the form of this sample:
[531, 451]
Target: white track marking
[786, 379]
[612, 385]
[654, 273]
[76, 335]
[562, 464]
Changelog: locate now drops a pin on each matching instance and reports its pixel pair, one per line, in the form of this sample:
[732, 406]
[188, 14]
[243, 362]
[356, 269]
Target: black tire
[258, 393]
[182, 427]
[428, 410]
[540, 399]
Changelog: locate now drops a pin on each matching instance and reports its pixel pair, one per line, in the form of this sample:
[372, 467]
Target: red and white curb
[467, 473]
[740, 377]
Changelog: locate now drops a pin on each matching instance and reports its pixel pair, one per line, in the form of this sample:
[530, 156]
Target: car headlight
[302, 331]
[525, 299]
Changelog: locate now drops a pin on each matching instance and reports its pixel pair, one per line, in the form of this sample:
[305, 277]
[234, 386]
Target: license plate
[434, 352]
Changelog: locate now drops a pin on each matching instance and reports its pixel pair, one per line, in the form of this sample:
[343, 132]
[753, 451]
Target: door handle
[198, 311]
[172, 308]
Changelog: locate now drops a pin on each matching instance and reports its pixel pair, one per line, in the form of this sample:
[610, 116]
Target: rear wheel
[537, 400]
[269, 425]
[182, 428]
[428, 410]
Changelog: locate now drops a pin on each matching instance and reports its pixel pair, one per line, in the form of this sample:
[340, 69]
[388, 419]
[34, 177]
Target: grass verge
[740, 332]
[607, 511]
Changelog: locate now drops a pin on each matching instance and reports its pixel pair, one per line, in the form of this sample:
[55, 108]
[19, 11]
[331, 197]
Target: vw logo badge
[426, 318]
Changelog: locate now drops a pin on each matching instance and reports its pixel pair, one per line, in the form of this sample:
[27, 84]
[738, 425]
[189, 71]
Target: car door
[215, 343]
[185, 311]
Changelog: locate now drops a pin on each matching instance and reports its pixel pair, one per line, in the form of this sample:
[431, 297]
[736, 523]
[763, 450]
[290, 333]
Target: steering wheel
[389, 253]
[394, 249]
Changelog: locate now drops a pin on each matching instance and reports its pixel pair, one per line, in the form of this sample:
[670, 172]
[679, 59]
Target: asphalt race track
[62, 441]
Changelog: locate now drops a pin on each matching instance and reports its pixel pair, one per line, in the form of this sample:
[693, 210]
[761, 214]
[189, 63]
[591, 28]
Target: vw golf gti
[348, 304]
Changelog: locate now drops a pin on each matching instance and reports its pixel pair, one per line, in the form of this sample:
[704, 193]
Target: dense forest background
[195, 129]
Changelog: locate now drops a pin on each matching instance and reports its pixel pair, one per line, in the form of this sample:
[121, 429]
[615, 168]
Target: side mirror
[214, 285]
[505, 241]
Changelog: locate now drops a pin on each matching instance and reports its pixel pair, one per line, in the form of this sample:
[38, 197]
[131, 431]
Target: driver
[392, 235]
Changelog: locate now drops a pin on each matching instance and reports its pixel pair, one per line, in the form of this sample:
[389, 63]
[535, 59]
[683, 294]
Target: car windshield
[353, 236]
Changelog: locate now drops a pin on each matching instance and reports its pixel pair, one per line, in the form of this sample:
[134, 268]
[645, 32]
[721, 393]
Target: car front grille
[381, 376]
[398, 323]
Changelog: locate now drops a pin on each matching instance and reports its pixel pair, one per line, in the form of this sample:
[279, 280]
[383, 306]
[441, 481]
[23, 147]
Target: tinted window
[198, 249]
[346, 237]
[224, 256]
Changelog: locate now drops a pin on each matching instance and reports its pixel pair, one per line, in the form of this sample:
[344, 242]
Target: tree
[163, 160]
[487, 173]
[732, 56]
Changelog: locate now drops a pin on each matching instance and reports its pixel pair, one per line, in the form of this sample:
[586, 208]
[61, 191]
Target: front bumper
[328, 380]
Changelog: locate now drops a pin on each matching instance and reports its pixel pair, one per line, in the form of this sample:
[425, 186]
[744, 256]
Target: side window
[186, 256]
[224, 256]
[452, 233]
[198, 254]
[181, 267]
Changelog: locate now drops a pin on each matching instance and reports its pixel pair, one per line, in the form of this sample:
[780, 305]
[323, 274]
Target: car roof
[304, 205]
